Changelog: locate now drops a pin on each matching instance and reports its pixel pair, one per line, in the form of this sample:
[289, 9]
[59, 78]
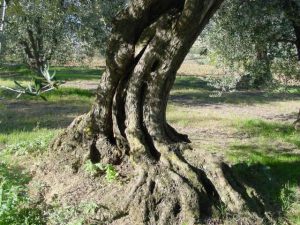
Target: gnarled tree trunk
[128, 119]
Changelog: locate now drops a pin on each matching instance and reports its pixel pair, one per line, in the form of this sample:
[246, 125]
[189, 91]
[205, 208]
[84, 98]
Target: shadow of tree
[273, 176]
[194, 91]
[28, 115]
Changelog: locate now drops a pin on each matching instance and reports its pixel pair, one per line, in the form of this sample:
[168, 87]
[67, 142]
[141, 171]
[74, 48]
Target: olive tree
[127, 123]
[35, 30]
[255, 35]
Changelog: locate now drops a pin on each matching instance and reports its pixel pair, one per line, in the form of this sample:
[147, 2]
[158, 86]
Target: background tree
[94, 19]
[36, 30]
[292, 12]
[255, 36]
[127, 123]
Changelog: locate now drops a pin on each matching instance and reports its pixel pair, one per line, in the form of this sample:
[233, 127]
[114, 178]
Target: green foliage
[34, 147]
[95, 21]
[37, 29]
[94, 169]
[226, 83]
[111, 173]
[39, 85]
[14, 203]
[252, 36]
[287, 196]
[43, 30]
[287, 70]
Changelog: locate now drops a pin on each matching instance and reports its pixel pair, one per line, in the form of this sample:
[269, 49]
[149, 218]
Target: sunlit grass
[22, 73]
[271, 131]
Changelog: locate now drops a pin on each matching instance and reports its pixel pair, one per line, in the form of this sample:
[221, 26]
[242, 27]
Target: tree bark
[297, 33]
[262, 68]
[128, 119]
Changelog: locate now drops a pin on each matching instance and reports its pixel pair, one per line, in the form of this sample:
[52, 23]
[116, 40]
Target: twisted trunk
[128, 118]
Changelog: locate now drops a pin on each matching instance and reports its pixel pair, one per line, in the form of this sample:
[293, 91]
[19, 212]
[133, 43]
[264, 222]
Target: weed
[111, 173]
[36, 146]
[287, 196]
[94, 169]
[71, 215]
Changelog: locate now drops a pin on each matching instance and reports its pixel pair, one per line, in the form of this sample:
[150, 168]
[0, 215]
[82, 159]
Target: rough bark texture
[127, 123]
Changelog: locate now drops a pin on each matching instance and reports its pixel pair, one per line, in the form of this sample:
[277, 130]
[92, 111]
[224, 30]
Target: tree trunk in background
[292, 11]
[34, 48]
[3, 9]
[128, 118]
[297, 33]
[262, 68]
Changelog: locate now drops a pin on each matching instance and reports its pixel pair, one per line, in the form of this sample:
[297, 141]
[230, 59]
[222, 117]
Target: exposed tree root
[171, 191]
[176, 193]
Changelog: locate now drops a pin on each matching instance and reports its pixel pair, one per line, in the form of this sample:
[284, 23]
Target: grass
[267, 165]
[271, 131]
[15, 205]
[264, 153]
[22, 73]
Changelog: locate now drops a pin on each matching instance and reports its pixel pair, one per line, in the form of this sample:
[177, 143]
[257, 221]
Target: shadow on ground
[274, 176]
[28, 115]
[194, 91]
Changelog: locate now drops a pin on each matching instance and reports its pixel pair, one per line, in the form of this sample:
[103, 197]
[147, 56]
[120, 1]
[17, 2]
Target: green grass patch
[267, 163]
[15, 206]
[22, 73]
[274, 175]
[76, 73]
[23, 143]
[60, 94]
[271, 131]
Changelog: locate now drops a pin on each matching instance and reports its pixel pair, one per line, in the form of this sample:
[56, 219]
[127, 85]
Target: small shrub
[111, 173]
[226, 83]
